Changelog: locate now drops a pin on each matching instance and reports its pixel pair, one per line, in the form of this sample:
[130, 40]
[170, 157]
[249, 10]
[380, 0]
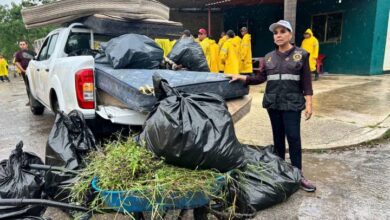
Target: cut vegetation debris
[124, 166]
[130, 179]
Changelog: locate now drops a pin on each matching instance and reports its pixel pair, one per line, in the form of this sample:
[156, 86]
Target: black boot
[316, 76]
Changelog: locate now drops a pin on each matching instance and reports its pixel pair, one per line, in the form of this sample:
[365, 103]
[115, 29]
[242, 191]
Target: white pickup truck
[62, 79]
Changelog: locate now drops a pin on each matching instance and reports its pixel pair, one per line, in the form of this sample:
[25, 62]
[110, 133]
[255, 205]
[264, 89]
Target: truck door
[37, 69]
[46, 68]
[42, 69]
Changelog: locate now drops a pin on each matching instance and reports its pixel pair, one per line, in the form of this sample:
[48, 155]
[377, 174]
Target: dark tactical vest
[284, 90]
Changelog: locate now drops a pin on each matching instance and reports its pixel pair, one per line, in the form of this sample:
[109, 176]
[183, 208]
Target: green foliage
[124, 166]
[12, 28]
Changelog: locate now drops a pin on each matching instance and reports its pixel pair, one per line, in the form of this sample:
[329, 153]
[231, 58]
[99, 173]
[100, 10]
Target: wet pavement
[352, 184]
[18, 123]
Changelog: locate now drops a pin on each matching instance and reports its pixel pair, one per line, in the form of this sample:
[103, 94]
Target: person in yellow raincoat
[204, 42]
[311, 45]
[237, 45]
[3, 69]
[165, 44]
[221, 41]
[246, 66]
[229, 56]
[214, 57]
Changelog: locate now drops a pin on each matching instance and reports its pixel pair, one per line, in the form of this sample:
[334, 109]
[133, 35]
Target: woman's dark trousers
[287, 124]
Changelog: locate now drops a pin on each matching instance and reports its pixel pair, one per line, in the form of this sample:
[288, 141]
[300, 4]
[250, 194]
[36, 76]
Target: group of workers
[232, 54]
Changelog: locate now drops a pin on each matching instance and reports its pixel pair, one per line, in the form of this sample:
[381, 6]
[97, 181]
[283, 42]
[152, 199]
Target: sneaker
[307, 186]
[28, 104]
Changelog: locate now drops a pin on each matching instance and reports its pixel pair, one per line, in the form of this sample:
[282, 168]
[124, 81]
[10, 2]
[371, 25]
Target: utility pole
[290, 14]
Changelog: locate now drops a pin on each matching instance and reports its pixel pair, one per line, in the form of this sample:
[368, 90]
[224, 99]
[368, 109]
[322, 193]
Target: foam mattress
[125, 84]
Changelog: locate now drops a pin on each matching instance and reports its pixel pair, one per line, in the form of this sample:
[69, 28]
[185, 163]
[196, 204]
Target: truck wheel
[35, 106]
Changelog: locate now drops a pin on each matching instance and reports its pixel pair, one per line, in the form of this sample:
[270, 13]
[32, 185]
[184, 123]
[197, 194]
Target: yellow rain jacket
[312, 46]
[205, 44]
[3, 67]
[214, 52]
[221, 41]
[246, 54]
[165, 44]
[237, 45]
[230, 58]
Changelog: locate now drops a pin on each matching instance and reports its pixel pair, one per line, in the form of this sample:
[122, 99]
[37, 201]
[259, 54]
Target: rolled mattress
[126, 84]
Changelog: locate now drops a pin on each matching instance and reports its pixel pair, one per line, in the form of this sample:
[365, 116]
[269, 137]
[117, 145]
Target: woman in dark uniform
[288, 92]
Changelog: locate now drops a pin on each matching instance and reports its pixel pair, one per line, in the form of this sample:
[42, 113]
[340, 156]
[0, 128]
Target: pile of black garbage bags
[195, 131]
[28, 186]
[134, 51]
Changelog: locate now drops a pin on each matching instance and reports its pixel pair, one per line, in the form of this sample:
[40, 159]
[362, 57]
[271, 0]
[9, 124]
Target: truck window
[48, 47]
[52, 45]
[43, 53]
[80, 43]
[77, 42]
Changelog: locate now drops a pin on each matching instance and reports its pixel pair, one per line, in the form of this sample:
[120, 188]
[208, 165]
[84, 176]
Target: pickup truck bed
[125, 84]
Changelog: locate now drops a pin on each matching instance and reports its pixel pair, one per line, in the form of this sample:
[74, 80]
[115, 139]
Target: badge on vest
[297, 56]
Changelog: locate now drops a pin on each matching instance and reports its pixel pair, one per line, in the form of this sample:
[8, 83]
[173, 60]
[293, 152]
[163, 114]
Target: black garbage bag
[18, 181]
[133, 51]
[190, 55]
[70, 140]
[265, 181]
[192, 130]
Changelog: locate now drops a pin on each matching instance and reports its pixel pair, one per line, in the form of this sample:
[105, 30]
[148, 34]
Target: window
[52, 45]
[78, 41]
[82, 41]
[48, 47]
[327, 27]
[43, 53]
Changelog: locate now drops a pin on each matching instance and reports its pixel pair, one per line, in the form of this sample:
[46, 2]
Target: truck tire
[55, 105]
[35, 106]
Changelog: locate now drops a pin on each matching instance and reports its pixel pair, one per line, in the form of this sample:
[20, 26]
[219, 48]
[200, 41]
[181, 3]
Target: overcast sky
[8, 2]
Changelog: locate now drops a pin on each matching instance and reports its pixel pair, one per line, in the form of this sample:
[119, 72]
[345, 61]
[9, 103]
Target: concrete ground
[352, 184]
[347, 110]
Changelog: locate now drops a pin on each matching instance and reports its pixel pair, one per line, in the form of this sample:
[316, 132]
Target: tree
[12, 28]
